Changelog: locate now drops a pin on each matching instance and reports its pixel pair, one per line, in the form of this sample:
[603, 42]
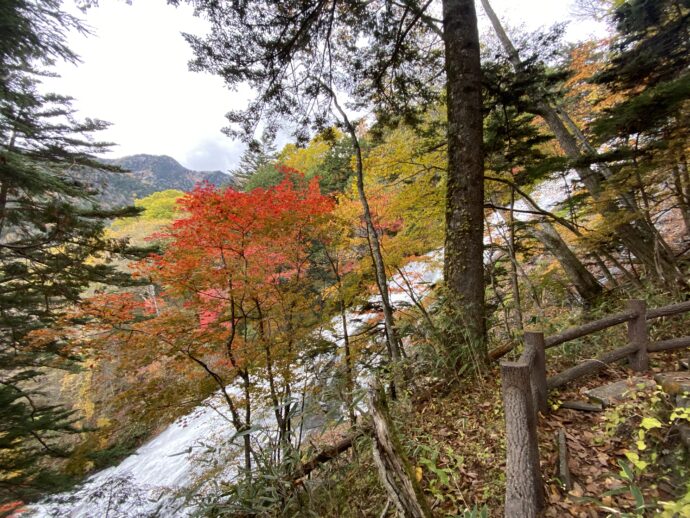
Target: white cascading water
[153, 480]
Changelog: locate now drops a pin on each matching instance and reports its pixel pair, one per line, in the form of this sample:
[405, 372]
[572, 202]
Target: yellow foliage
[412, 184]
[307, 159]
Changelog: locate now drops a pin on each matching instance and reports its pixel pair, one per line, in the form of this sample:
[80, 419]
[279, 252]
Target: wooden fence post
[637, 335]
[524, 487]
[536, 348]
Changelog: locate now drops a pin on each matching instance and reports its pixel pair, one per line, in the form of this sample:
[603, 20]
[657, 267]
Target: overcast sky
[134, 75]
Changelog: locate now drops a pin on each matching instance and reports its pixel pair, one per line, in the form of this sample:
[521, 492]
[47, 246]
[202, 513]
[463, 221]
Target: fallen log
[330, 452]
[582, 406]
[395, 471]
[500, 352]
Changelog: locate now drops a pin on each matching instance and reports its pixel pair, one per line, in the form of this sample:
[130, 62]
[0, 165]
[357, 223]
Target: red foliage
[236, 246]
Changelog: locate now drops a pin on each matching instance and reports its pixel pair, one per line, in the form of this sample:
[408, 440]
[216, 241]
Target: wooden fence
[525, 392]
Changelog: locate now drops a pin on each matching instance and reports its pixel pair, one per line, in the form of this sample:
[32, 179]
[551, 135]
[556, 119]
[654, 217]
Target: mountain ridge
[148, 174]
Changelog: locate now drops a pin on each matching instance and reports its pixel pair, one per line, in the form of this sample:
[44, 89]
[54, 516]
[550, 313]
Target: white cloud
[134, 74]
[534, 14]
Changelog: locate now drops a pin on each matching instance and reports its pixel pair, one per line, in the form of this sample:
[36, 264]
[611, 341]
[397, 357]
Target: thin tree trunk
[415, 299]
[582, 280]
[491, 276]
[604, 270]
[464, 246]
[513, 265]
[373, 238]
[685, 176]
[349, 367]
[681, 196]
[247, 419]
[632, 277]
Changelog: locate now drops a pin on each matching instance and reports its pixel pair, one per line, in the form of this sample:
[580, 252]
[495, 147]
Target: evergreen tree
[613, 200]
[647, 131]
[258, 159]
[51, 236]
[650, 65]
[515, 151]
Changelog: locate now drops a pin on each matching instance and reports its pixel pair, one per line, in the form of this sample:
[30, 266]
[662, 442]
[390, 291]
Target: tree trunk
[373, 239]
[681, 195]
[464, 266]
[583, 281]
[372, 236]
[685, 175]
[349, 376]
[515, 285]
[349, 368]
[604, 270]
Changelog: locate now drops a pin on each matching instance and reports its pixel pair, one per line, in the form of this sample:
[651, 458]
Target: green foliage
[265, 177]
[646, 422]
[476, 512]
[328, 156]
[680, 507]
[258, 159]
[158, 210]
[161, 205]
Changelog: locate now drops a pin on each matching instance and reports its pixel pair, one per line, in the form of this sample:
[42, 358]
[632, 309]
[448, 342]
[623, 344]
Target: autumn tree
[516, 154]
[646, 127]
[296, 48]
[237, 299]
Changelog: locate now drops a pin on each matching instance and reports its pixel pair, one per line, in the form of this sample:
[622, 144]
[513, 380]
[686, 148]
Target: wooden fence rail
[525, 392]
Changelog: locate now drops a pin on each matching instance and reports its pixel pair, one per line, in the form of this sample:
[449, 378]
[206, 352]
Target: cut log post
[667, 311]
[638, 336]
[395, 471]
[668, 345]
[535, 347]
[563, 469]
[524, 487]
[589, 328]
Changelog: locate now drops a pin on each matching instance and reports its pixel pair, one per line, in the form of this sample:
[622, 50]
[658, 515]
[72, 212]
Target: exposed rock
[617, 392]
[674, 383]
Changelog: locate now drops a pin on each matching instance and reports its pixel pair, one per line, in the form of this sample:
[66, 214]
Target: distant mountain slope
[149, 174]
